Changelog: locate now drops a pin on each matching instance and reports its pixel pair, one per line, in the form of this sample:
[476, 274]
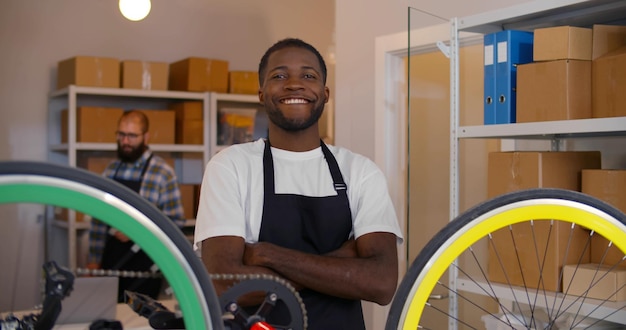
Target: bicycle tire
[122, 208]
[473, 225]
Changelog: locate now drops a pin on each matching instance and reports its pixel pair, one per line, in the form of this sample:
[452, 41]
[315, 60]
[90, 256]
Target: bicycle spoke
[521, 283]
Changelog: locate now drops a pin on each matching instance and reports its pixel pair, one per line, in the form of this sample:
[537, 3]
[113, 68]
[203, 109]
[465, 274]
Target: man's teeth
[295, 101]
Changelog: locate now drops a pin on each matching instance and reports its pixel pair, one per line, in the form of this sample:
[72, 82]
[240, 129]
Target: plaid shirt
[159, 187]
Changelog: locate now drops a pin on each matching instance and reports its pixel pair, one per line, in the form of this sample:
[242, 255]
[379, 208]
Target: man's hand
[224, 255]
[255, 254]
[93, 265]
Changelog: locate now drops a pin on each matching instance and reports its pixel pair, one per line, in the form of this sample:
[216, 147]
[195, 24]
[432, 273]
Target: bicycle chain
[117, 273]
[217, 277]
[149, 274]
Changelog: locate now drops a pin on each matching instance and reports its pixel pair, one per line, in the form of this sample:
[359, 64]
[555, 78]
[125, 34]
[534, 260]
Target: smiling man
[316, 215]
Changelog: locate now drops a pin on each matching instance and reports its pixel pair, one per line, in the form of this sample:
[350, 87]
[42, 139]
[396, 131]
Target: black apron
[315, 225]
[120, 256]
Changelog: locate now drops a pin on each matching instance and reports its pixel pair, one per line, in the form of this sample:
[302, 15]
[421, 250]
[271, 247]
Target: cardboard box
[562, 43]
[607, 38]
[189, 199]
[188, 110]
[95, 163]
[190, 131]
[63, 215]
[513, 171]
[93, 124]
[608, 186]
[88, 71]
[199, 75]
[189, 123]
[243, 82]
[554, 90]
[595, 281]
[608, 85]
[518, 170]
[145, 75]
[162, 126]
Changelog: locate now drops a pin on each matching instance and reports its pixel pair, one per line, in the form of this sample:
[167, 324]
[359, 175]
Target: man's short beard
[276, 117]
[133, 155]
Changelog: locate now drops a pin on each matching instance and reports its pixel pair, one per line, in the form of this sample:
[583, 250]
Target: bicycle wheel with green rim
[508, 253]
[120, 207]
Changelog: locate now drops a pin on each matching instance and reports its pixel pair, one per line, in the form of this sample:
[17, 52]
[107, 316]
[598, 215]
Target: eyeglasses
[130, 136]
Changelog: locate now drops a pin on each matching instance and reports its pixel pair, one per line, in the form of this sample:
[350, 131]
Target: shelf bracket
[445, 49]
[558, 144]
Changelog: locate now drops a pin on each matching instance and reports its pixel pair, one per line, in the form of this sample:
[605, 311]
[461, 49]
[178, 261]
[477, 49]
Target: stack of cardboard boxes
[576, 73]
[557, 84]
[194, 74]
[189, 122]
[179, 124]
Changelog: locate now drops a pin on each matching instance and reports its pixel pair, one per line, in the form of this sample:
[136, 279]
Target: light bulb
[135, 10]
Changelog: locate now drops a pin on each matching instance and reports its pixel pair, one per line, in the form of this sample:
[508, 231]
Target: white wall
[36, 34]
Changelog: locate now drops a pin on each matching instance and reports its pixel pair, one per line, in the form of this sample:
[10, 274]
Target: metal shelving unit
[72, 97]
[190, 169]
[526, 16]
[529, 16]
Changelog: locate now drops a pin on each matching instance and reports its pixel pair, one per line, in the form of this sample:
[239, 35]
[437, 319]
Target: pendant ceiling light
[135, 10]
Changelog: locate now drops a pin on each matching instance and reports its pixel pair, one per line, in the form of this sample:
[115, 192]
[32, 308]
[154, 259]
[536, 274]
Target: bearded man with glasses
[150, 176]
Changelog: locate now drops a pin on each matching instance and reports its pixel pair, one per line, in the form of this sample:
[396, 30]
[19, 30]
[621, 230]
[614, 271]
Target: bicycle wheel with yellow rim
[532, 259]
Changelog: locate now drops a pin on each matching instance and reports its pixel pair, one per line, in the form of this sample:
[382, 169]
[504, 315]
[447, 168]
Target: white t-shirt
[231, 197]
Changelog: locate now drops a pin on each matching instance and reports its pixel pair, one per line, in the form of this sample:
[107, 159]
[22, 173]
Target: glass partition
[430, 171]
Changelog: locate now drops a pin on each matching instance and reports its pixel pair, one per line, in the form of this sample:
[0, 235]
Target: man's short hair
[134, 114]
[286, 43]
